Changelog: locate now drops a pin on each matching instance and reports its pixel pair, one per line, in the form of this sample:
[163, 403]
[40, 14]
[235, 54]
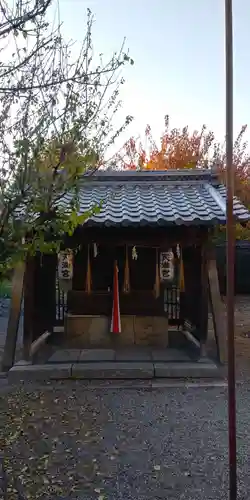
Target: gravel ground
[67, 441]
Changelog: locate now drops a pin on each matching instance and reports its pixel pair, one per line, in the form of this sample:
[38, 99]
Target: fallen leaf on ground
[157, 467]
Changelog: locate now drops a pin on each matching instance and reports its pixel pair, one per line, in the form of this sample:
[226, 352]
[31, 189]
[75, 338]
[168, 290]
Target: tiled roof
[157, 198]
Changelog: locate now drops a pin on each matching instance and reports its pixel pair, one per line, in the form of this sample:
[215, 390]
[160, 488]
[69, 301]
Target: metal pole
[230, 251]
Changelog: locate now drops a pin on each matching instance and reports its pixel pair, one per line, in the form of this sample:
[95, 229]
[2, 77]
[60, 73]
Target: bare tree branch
[56, 125]
[24, 12]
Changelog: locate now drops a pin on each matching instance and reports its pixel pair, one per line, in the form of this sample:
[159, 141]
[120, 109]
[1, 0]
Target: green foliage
[242, 233]
[5, 289]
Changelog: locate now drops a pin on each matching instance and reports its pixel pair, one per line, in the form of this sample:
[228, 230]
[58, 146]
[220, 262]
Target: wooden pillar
[192, 276]
[196, 298]
[14, 317]
[46, 294]
[39, 299]
[204, 300]
[29, 319]
[216, 306]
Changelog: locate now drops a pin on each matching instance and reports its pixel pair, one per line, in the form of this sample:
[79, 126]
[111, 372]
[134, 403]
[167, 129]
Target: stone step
[65, 356]
[134, 354]
[187, 370]
[114, 371]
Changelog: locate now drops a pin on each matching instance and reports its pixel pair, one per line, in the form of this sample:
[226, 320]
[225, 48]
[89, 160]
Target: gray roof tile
[157, 198]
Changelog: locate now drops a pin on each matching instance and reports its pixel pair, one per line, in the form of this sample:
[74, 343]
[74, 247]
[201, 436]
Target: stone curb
[22, 373]
[115, 371]
[186, 370]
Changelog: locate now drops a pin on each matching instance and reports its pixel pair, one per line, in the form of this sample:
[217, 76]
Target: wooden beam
[36, 344]
[14, 317]
[149, 237]
[217, 308]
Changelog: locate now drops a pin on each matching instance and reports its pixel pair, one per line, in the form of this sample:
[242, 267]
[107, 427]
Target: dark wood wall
[140, 303]
[142, 270]
[140, 300]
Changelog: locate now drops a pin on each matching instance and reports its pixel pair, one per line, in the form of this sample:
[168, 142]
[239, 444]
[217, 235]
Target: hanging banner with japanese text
[65, 265]
[167, 266]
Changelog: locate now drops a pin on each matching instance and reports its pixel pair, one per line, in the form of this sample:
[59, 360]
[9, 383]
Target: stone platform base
[110, 365]
[128, 354]
[88, 331]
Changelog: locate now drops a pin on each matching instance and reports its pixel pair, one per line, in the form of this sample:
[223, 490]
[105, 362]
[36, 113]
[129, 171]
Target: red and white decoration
[116, 317]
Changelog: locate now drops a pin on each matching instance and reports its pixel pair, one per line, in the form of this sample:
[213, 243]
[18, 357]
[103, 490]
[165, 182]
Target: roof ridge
[197, 174]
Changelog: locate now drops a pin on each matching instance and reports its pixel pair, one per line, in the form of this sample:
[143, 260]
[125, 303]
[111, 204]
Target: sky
[178, 49]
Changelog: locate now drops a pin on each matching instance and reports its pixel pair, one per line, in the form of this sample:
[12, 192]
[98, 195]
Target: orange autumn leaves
[180, 148]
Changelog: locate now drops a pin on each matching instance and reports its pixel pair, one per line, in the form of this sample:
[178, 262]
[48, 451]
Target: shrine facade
[140, 269]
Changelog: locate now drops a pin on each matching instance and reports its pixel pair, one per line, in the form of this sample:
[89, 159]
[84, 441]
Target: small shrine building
[138, 271]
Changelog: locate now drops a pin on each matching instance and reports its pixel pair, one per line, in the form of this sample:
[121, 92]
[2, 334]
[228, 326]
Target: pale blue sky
[178, 49]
